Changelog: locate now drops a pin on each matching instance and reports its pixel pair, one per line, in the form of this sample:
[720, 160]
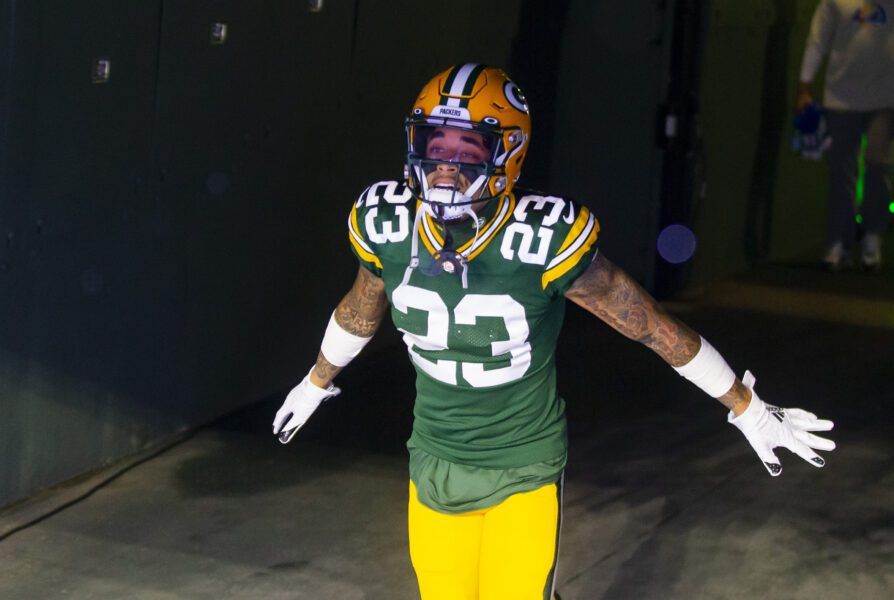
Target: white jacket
[858, 37]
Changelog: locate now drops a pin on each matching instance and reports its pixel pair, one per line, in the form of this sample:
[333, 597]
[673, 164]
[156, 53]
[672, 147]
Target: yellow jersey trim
[356, 238]
[575, 230]
[422, 232]
[500, 218]
[573, 252]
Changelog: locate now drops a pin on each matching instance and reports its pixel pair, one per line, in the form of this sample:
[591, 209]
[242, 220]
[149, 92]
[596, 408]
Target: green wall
[174, 238]
[612, 77]
[798, 218]
[761, 202]
[735, 51]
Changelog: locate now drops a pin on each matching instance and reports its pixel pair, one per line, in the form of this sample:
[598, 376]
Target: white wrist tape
[340, 347]
[709, 371]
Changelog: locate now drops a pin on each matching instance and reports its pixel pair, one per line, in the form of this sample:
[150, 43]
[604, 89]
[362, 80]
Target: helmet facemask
[452, 167]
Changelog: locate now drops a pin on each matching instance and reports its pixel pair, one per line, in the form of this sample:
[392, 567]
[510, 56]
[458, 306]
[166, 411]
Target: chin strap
[414, 244]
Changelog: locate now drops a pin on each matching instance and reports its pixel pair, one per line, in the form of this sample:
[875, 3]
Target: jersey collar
[430, 232]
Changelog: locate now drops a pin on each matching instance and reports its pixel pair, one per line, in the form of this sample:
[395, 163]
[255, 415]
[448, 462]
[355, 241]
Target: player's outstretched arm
[612, 295]
[352, 325]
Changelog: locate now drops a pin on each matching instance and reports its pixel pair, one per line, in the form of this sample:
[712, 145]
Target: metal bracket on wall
[218, 34]
[102, 70]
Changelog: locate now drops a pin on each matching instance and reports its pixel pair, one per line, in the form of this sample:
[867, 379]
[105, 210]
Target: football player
[476, 274]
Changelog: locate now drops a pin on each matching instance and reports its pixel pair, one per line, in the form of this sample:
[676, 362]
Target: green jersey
[482, 342]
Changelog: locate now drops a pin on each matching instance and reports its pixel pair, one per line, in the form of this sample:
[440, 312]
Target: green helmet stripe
[460, 82]
[448, 83]
[470, 84]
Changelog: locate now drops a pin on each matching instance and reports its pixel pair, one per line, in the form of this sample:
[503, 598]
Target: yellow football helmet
[472, 101]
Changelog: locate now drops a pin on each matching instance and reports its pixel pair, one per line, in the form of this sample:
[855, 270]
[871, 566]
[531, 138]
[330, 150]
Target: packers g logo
[515, 96]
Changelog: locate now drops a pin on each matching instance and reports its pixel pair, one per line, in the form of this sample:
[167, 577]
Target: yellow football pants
[505, 552]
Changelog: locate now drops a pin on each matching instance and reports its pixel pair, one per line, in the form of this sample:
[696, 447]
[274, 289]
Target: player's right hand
[802, 101]
[299, 405]
[803, 97]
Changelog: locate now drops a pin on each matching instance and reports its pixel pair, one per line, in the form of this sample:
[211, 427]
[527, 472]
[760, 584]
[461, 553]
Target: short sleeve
[578, 230]
[362, 247]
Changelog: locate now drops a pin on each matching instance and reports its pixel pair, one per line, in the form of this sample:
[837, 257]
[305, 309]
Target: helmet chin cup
[451, 213]
[447, 203]
[447, 196]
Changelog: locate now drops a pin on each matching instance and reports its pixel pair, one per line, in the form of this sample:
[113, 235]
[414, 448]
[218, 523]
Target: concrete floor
[663, 498]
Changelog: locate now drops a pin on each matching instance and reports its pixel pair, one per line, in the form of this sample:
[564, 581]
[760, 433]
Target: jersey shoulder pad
[572, 232]
[539, 210]
[384, 194]
[380, 215]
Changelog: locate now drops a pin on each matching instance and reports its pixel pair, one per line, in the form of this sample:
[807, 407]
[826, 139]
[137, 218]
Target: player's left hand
[766, 427]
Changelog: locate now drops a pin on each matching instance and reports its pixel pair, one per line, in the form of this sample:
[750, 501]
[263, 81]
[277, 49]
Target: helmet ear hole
[500, 184]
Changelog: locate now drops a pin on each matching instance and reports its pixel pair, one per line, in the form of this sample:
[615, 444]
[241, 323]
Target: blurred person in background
[858, 99]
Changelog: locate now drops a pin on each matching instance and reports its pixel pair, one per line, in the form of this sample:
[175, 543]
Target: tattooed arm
[612, 295]
[359, 313]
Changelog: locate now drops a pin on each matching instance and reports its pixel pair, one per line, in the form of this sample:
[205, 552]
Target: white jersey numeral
[526, 232]
[513, 314]
[389, 232]
[466, 312]
[392, 231]
[544, 234]
[405, 297]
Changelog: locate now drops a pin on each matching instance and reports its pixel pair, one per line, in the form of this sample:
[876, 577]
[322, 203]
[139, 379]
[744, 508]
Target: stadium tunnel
[176, 178]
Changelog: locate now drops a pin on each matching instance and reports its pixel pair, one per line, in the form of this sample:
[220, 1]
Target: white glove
[766, 426]
[299, 405]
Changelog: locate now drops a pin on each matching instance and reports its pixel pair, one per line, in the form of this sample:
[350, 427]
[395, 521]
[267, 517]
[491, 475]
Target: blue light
[676, 244]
